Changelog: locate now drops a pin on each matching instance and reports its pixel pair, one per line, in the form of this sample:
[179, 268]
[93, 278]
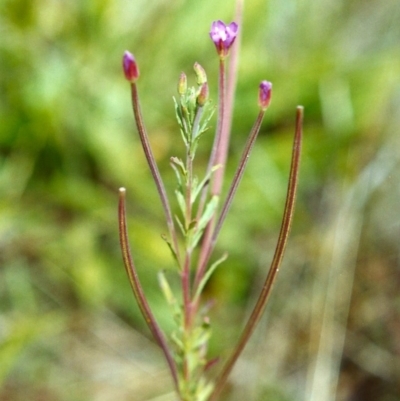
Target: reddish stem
[144, 139]
[138, 289]
[232, 191]
[276, 261]
[227, 87]
[215, 156]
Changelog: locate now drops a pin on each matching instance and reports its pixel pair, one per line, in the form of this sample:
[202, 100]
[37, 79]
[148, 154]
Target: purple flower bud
[200, 74]
[202, 97]
[131, 69]
[223, 36]
[264, 95]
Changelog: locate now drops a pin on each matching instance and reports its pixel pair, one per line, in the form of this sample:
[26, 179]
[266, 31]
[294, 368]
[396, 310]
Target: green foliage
[67, 142]
[190, 347]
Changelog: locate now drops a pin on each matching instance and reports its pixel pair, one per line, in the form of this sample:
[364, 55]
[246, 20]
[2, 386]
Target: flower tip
[264, 94]
[131, 69]
[223, 36]
[233, 27]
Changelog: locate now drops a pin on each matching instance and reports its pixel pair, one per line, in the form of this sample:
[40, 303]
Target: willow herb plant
[202, 214]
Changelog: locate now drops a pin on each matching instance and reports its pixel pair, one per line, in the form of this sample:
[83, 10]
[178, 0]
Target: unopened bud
[182, 84]
[264, 94]
[131, 69]
[202, 97]
[200, 74]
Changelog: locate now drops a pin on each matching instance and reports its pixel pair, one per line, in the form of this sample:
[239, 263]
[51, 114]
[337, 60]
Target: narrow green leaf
[208, 274]
[170, 246]
[203, 183]
[181, 121]
[208, 212]
[166, 289]
[181, 201]
[207, 115]
[204, 390]
[204, 220]
[180, 171]
[178, 162]
[180, 225]
[178, 176]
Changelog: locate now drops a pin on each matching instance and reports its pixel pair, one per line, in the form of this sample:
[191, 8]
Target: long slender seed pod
[153, 166]
[232, 191]
[276, 261]
[138, 290]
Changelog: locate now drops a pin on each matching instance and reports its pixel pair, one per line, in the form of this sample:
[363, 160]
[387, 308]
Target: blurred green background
[69, 326]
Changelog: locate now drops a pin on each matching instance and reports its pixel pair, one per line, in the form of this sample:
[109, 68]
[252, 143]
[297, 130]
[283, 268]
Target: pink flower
[131, 69]
[223, 36]
[264, 94]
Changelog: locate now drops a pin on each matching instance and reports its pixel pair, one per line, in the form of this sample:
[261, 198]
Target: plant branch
[138, 290]
[227, 86]
[230, 84]
[276, 261]
[217, 139]
[153, 168]
[215, 154]
[232, 191]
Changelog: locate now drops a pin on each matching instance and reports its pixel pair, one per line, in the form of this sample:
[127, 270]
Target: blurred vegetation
[69, 326]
